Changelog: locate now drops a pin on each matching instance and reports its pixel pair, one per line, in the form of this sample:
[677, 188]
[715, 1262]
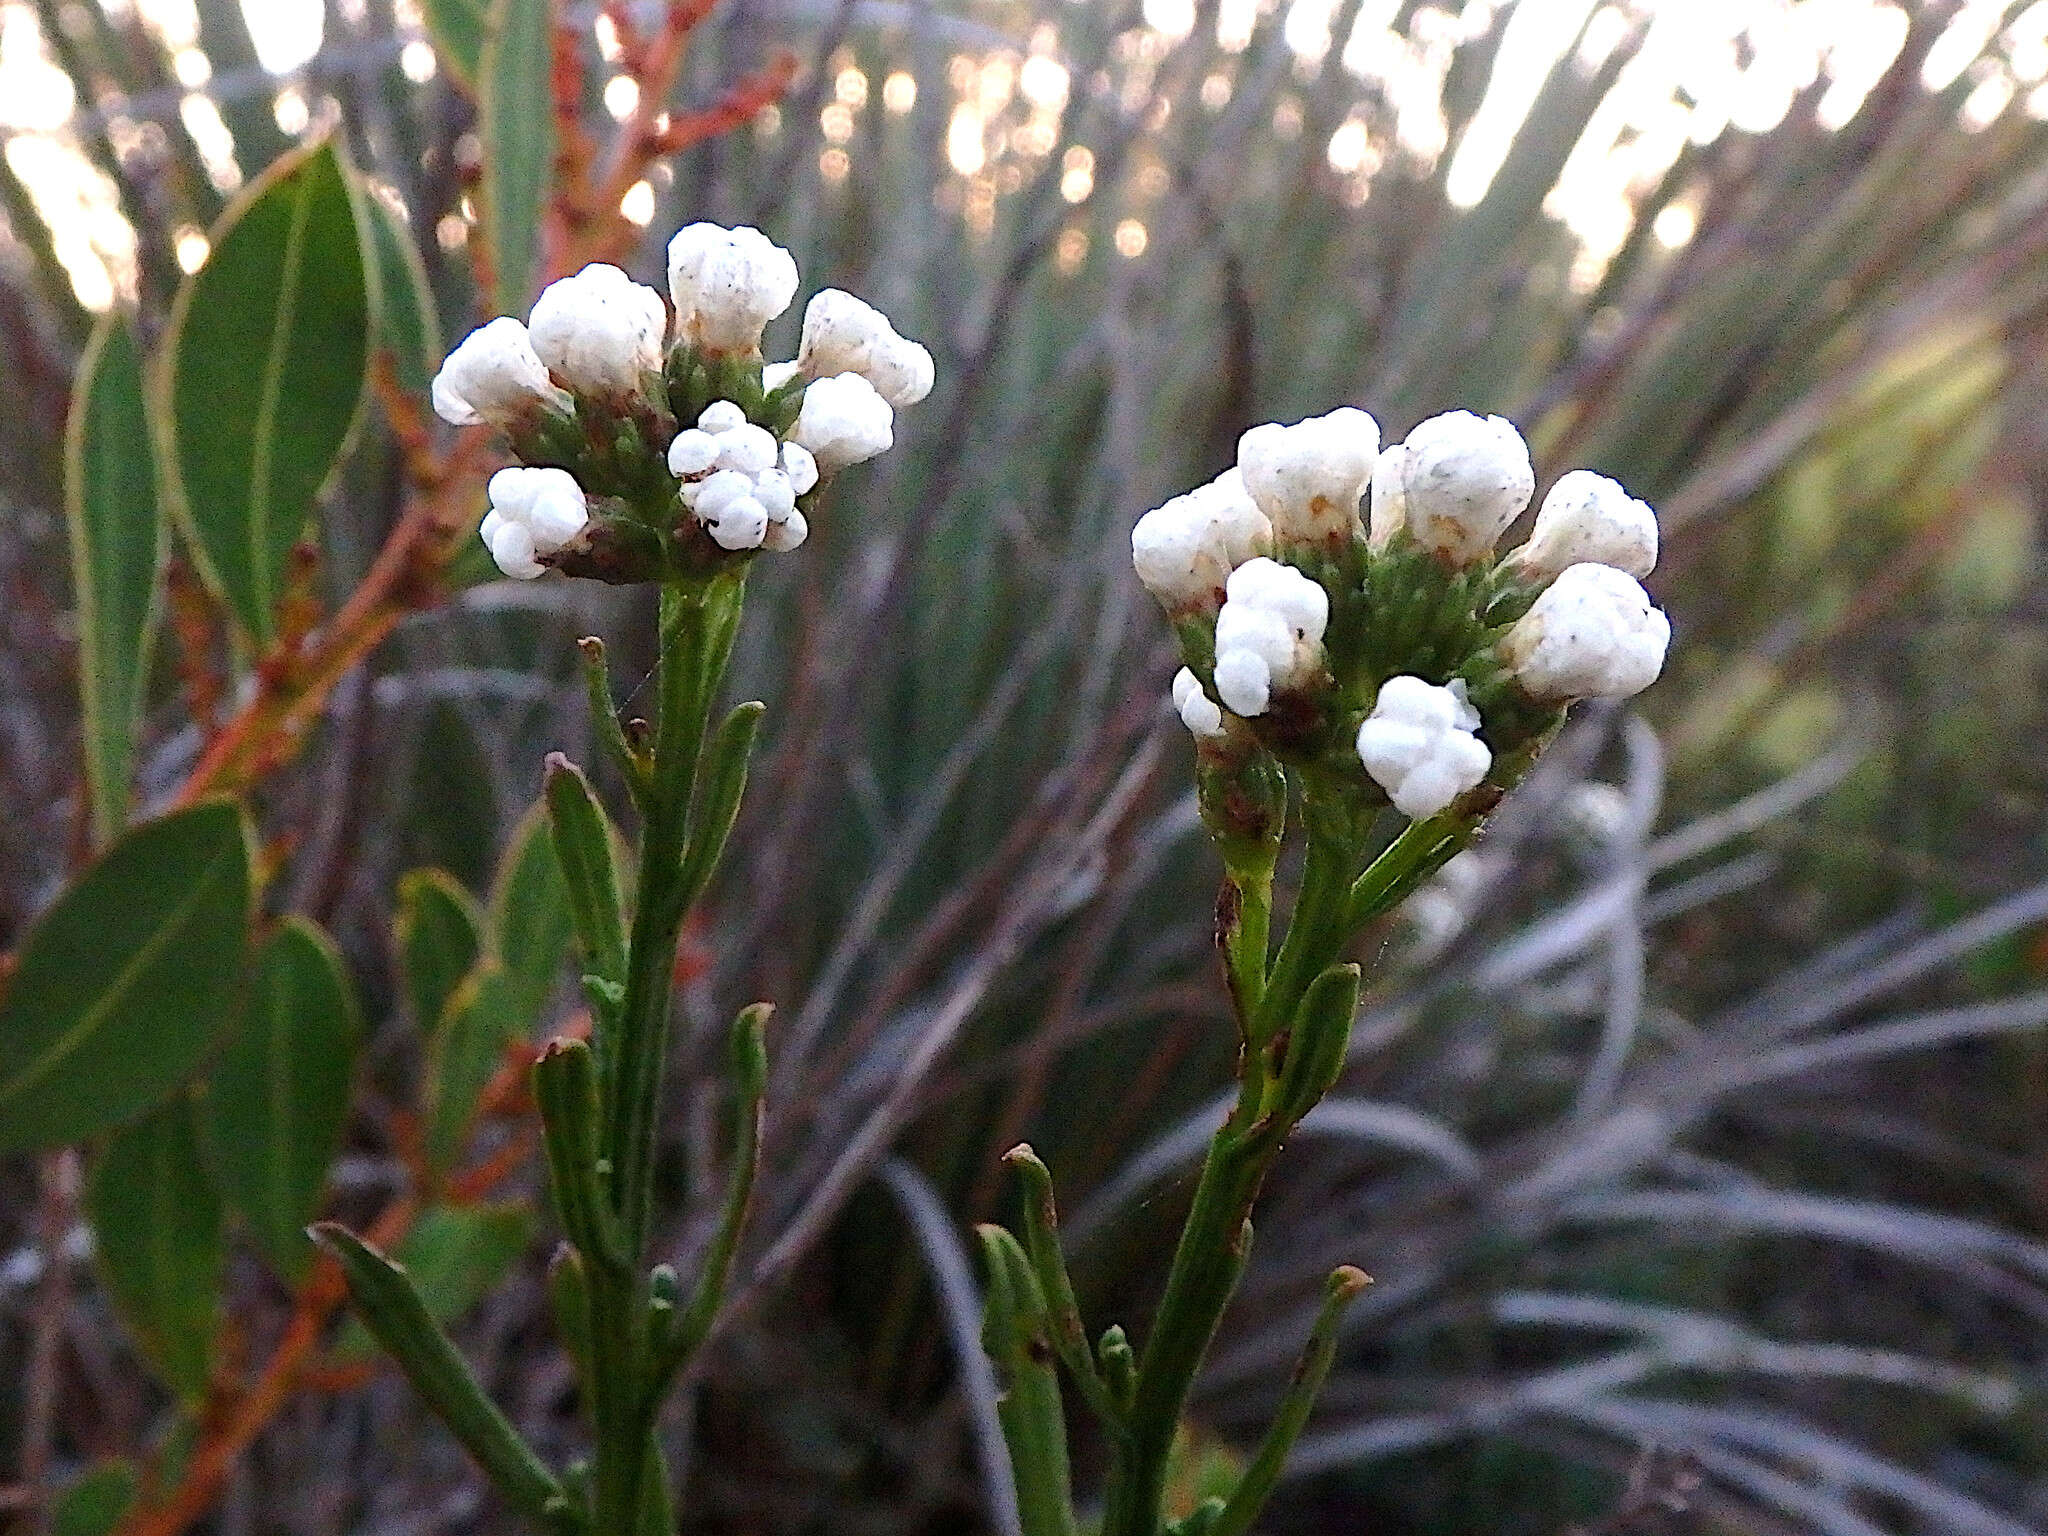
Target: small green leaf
[455, 1254]
[531, 924]
[158, 1225]
[397, 1310]
[565, 1092]
[127, 981]
[584, 840]
[406, 322]
[117, 550]
[465, 1053]
[1016, 1334]
[278, 1100]
[266, 359]
[440, 934]
[517, 126]
[457, 28]
[94, 1502]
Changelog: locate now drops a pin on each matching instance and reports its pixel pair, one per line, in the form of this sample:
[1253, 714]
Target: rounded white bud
[1307, 478]
[1589, 518]
[534, 513]
[773, 490]
[494, 376]
[801, 468]
[727, 285]
[1198, 712]
[693, 452]
[1592, 633]
[843, 420]
[720, 417]
[787, 534]
[844, 334]
[1455, 484]
[599, 331]
[1269, 634]
[747, 448]
[511, 546]
[1418, 745]
[1185, 551]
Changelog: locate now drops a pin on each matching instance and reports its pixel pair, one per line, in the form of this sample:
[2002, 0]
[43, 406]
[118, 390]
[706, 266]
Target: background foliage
[1705, 1112]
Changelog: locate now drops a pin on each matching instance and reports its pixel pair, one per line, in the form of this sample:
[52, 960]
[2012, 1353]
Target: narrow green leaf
[531, 922]
[1321, 1033]
[398, 1315]
[266, 359]
[565, 1090]
[457, 28]
[94, 1502]
[517, 125]
[126, 982]
[454, 1254]
[277, 1102]
[117, 551]
[584, 840]
[481, 1019]
[158, 1226]
[724, 783]
[1015, 1334]
[406, 321]
[440, 934]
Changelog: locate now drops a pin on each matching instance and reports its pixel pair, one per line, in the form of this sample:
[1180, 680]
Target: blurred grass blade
[162, 1246]
[265, 364]
[518, 131]
[278, 1100]
[117, 551]
[457, 28]
[125, 983]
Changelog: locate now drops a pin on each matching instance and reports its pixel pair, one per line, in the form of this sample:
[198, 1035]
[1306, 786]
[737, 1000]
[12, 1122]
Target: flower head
[843, 420]
[1418, 745]
[494, 376]
[1269, 635]
[1592, 633]
[1454, 485]
[1185, 551]
[727, 285]
[1588, 517]
[843, 334]
[599, 331]
[1307, 478]
[1198, 712]
[534, 512]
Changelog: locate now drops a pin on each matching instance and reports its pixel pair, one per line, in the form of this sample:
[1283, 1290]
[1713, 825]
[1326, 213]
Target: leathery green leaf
[157, 1223]
[117, 550]
[440, 934]
[127, 981]
[532, 925]
[265, 363]
[277, 1101]
[406, 322]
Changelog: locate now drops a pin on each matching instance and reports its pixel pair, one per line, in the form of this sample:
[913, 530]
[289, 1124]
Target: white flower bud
[1455, 485]
[1269, 635]
[534, 512]
[1198, 712]
[727, 285]
[1418, 745]
[721, 417]
[1185, 551]
[787, 534]
[1592, 633]
[599, 331]
[1308, 478]
[773, 490]
[727, 507]
[801, 468]
[1589, 518]
[693, 452]
[747, 448]
[775, 375]
[843, 420]
[843, 334]
[494, 376]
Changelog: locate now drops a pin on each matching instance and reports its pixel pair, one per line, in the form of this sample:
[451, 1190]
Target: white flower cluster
[740, 482]
[1253, 548]
[1418, 744]
[601, 338]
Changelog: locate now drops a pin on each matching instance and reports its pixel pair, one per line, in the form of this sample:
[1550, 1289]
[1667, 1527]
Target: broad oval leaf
[278, 1099]
[517, 125]
[532, 923]
[128, 980]
[440, 933]
[479, 1022]
[158, 1228]
[457, 28]
[117, 551]
[406, 322]
[266, 359]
